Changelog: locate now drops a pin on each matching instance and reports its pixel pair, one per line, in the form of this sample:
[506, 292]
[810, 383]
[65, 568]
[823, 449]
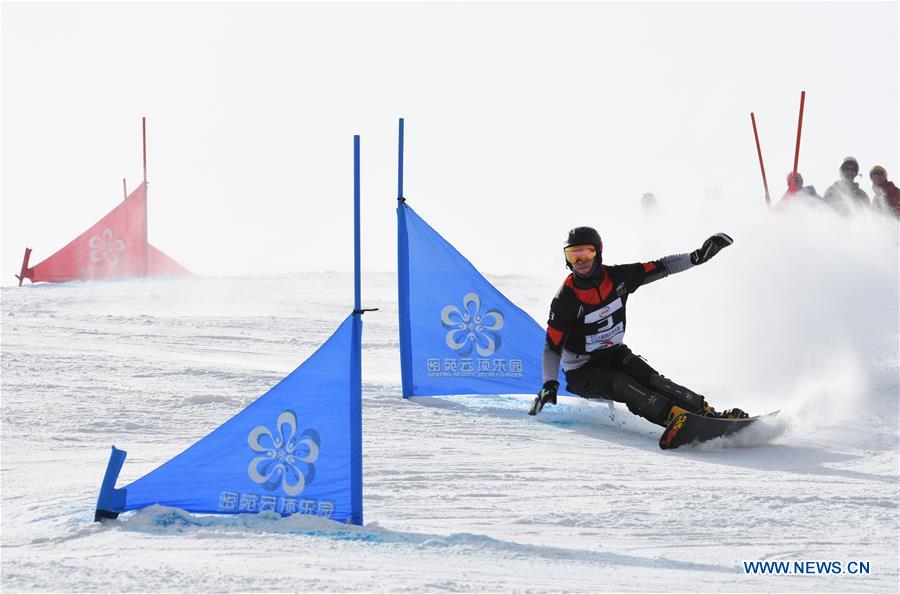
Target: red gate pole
[24, 272]
[144, 134]
[146, 231]
[759, 154]
[799, 128]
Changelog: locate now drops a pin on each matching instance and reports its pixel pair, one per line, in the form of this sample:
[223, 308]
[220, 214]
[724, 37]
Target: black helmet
[586, 236]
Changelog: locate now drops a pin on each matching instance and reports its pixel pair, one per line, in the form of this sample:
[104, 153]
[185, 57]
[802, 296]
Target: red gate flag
[114, 247]
[159, 264]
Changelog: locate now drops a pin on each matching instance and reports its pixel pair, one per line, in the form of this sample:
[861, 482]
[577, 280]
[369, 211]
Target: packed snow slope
[470, 493]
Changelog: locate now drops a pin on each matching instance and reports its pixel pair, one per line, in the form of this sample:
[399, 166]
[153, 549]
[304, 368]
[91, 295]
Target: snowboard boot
[678, 395]
[640, 400]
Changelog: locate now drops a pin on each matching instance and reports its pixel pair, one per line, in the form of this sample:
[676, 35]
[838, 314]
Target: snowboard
[689, 428]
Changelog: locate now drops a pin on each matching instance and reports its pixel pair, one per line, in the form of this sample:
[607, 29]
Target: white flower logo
[286, 456]
[104, 247]
[470, 328]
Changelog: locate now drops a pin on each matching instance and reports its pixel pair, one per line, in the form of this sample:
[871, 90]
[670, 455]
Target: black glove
[710, 248]
[547, 394]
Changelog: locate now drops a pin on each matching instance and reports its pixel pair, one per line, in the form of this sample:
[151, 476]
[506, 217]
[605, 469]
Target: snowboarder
[587, 325]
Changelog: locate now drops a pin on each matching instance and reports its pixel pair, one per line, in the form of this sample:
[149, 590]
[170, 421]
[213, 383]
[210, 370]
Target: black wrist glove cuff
[546, 395]
[710, 248]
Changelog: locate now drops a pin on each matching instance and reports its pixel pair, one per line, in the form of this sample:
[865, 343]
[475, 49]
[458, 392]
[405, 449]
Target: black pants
[622, 376]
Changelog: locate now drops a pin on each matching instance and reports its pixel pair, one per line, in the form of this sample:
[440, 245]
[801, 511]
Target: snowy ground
[464, 493]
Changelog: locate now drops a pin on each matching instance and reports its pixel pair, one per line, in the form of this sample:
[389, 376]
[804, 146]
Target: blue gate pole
[357, 301]
[356, 486]
[403, 280]
[400, 165]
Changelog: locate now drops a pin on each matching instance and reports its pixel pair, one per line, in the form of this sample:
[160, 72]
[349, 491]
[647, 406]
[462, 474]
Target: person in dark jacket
[586, 327]
[887, 195]
[845, 195]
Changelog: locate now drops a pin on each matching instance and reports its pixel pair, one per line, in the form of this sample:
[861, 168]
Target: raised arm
[681, 262]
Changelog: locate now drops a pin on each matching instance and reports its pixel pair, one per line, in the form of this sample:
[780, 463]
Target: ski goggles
[579, 253]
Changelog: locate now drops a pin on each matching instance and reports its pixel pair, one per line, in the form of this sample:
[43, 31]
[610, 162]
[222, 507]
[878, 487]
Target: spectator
[797, 193]
[845, 194]
[648, 203]
[887, 195]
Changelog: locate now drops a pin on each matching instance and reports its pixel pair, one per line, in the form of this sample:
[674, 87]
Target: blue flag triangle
[296, 449]
[458, 333]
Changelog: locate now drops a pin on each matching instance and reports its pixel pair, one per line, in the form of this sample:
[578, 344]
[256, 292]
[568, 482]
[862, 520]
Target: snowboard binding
[731, 413]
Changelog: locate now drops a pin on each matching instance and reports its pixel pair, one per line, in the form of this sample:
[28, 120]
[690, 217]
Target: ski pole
[759, 153]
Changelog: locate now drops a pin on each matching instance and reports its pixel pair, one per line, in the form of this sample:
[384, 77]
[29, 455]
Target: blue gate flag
[296, 449]
[458, 333]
